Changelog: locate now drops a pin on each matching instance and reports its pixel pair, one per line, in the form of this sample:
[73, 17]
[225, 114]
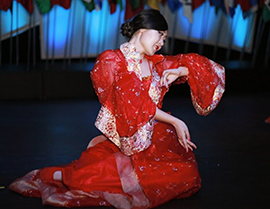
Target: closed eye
[162, 35]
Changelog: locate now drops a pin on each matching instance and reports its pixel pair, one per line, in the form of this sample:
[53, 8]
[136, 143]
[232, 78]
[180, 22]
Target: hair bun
[127, 29]
[146, 19]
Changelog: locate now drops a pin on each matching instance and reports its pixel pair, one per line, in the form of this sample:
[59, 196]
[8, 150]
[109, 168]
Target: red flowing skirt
[104, 176]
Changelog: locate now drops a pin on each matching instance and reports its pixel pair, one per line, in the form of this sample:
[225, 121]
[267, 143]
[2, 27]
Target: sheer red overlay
[104, 175]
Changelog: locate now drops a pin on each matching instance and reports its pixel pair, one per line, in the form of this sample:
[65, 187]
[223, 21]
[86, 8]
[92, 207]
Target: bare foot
[57, 176]
[96, 140]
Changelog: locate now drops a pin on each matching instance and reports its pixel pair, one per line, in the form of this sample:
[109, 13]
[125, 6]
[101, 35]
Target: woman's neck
[135, 40]
[144, 63]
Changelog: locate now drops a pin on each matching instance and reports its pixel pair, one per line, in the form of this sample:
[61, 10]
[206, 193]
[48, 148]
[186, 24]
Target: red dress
[141, 164]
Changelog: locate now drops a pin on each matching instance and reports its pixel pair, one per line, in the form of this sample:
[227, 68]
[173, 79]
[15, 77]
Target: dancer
[144, 156]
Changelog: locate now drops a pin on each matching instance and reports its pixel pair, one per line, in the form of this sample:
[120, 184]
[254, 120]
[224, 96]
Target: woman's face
[152, 41]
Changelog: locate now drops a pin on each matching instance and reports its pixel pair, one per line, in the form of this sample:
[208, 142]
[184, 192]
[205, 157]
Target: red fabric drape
[27, 4]
[64, 3]
[5, 4]
[261, 3]
[197, 3]
[245, 5]
[113, 4]
[130, 12]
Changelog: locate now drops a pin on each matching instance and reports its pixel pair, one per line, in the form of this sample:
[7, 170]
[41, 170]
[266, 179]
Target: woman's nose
[161, 42]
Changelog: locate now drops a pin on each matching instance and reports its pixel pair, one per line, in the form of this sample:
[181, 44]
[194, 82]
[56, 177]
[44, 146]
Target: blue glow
[90, 30]
[204, 18]
[99, 30]
[206, 23]
[5, 21]
[56, 22]
[19, 18]
[58, 29]
[241, 27]
[183, 21]
[198, 15]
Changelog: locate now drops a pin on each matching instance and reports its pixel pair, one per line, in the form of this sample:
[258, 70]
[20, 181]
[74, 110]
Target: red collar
[156, 58]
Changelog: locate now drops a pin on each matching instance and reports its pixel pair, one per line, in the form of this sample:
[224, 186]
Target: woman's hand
[180, 127]
[183, 135]
[171, 75]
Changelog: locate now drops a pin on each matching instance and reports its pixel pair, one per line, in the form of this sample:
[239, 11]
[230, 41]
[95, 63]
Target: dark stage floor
[233, 147]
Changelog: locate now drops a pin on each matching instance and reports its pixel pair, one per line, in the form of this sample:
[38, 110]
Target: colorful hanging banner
[197, 3]
[134, 8]
[154, 4]
[44, 6]
[266, 11]
[113, 5]
[27, 4]
[5, 5]
[173, 5]
[89, 5]
[227, 6]
[63, 3]
[187, 7]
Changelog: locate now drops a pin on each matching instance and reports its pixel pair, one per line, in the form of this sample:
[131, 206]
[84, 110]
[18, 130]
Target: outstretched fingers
[187, 144]
[183, 144]
[191, 145]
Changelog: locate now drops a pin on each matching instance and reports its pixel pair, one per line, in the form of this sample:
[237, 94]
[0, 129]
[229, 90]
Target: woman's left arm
[170, 75]
[180, 127]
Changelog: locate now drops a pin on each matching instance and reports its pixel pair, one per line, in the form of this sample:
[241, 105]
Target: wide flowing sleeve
[206, 79]
[102, 77]
[122, 93]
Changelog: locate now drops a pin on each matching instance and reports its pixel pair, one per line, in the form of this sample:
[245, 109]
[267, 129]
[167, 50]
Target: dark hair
[145, 19]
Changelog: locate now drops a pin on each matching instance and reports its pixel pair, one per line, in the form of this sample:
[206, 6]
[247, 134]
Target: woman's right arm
[170, 75]
[180, 127]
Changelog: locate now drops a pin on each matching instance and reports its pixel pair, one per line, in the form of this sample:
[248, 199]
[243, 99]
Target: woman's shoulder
[110, 60]
[111, 54]
[163, 59]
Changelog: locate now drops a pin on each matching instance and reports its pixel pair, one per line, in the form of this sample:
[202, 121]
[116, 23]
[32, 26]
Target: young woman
[144, 157]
